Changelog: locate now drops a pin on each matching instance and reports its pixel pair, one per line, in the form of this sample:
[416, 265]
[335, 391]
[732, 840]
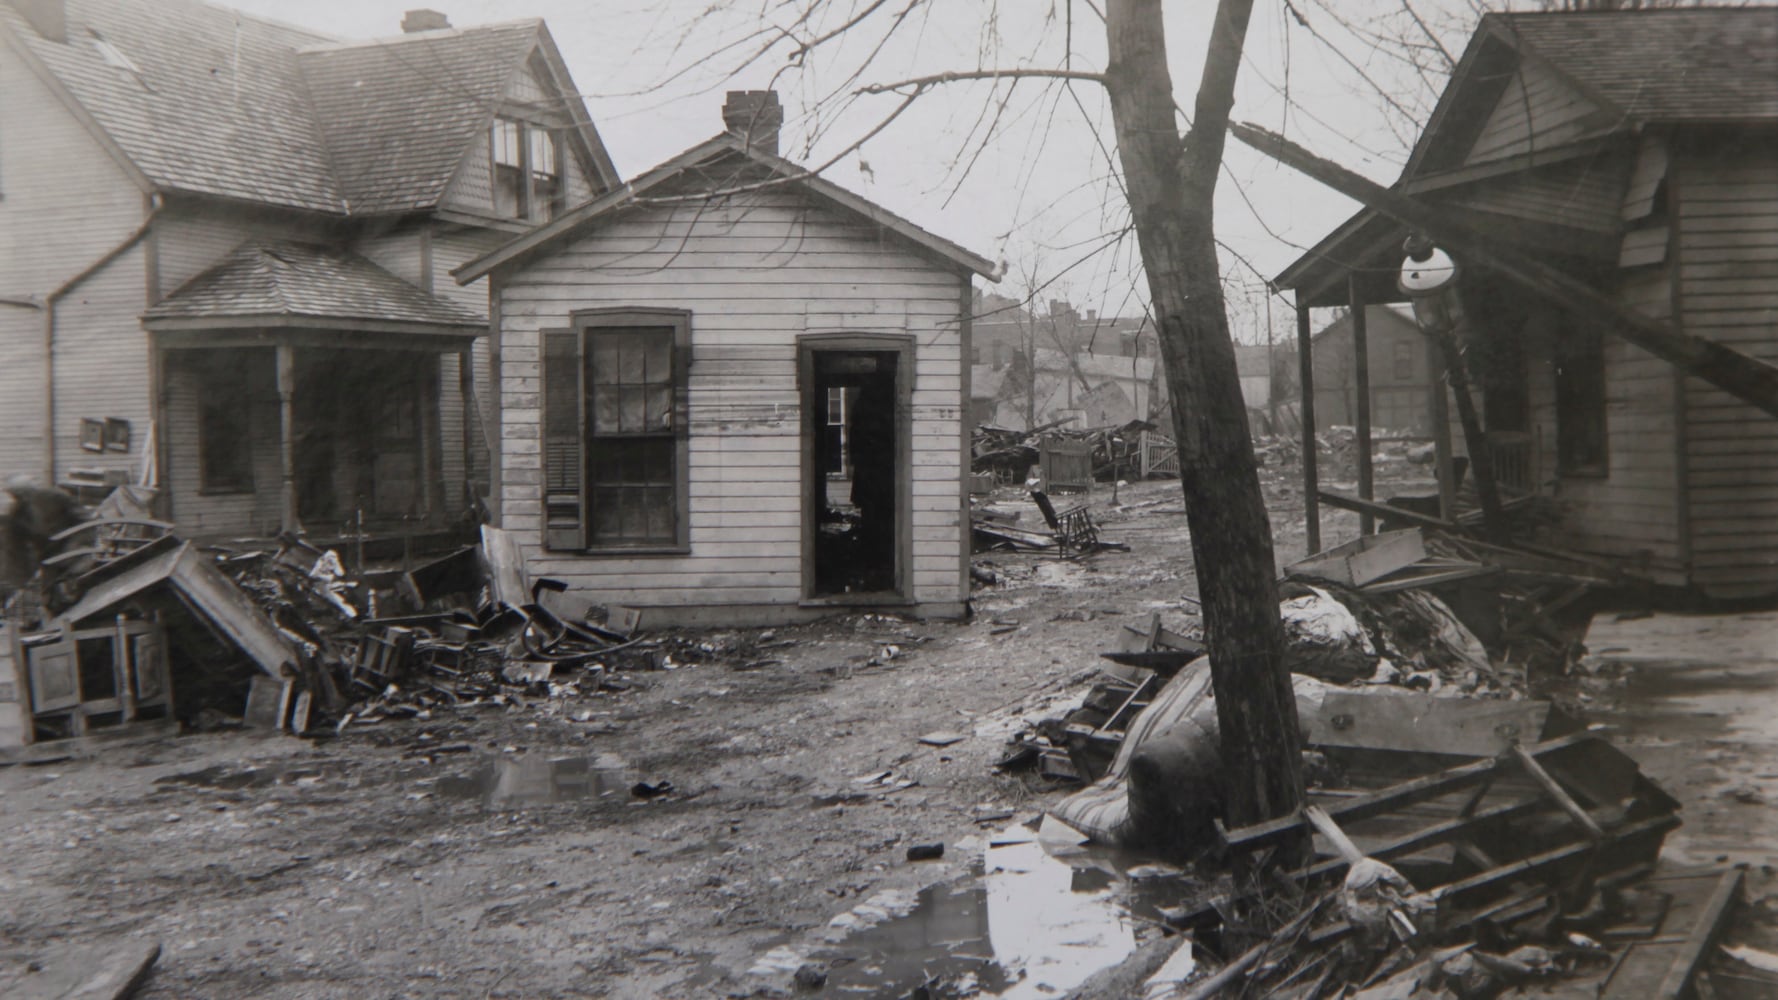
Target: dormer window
[527, 166]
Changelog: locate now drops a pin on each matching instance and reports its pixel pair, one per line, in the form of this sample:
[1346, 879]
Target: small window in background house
[546, 174]
[508, 155]
[1404, 361]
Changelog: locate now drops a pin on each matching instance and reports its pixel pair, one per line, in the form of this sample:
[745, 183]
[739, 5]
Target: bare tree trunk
[1171, 185]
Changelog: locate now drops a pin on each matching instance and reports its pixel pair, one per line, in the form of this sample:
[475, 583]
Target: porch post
[1441, 428]
[287, 519]
[1362, 381]
[466, 393]
[426, 388]
[1305, 358]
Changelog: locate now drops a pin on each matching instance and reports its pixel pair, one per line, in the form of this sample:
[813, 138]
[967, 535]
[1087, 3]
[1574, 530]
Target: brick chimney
[754, 116]
[422, 19]
[49, 17]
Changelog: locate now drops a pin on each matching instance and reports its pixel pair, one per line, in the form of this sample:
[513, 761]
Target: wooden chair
[1076, 532]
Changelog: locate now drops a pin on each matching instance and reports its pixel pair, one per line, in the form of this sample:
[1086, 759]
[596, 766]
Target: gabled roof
[300, 284]
[215, 103]
[211, 101]
[688, 167]
[398, 113]
[1107, 366]
[1700, 64]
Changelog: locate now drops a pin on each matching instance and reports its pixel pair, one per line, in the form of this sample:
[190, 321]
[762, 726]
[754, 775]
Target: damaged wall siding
[79, 205]
[1727, 199]
[755, 276]
[1537, 109]
[1633, 510]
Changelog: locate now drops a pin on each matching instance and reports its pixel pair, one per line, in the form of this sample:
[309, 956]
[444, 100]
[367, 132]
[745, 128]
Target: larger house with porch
[224, 254]
[1636, 151]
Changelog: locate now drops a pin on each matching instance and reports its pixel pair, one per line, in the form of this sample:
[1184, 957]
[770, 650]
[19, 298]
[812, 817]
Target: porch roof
[303, 285]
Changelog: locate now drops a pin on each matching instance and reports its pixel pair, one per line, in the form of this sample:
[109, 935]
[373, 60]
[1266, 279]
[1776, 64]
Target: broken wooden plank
[110, 972]
[506, 567]
[1558, 793]
[1702, 936]
[1423, 723]
[1395, 796]
[1365, 558]
[1750, 379]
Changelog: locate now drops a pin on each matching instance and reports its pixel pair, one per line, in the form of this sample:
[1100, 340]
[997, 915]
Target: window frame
[524, 129]
[587, 324]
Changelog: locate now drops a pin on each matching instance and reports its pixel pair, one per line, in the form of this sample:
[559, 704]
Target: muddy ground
[405, 860]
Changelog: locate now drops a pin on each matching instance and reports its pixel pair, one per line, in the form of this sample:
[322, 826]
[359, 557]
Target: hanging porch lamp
[1429, 279]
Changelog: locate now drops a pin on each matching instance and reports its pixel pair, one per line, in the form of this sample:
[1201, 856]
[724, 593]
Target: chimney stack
[49, 17]
[755, 117]
[422, 19]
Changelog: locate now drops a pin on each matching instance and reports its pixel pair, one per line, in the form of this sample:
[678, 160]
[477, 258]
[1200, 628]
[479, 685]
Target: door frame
[902, 345]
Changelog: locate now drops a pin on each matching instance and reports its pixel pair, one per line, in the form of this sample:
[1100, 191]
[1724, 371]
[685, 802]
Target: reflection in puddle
[506, 782]
[230, 777]
[1688, 701]
[1030, 925]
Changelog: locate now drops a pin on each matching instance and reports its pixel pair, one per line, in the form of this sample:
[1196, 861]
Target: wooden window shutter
[564, 482]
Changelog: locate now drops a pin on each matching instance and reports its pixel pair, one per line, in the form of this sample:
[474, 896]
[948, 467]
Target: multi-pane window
[614, 433]
[527, 170]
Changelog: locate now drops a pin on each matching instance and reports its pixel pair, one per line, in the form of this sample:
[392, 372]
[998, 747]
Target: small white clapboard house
[731, 391]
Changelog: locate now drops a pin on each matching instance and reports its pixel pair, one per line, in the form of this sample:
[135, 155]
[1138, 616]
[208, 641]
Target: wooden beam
[1361, 362]
[1558, 793]
[1703, 935]
[1441, 430]
[287, 514]
[1475, 438]
[1305, 355]
[1395, 796]
[1747, 378]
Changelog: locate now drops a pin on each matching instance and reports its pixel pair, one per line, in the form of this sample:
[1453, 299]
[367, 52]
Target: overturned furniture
[1075, 531]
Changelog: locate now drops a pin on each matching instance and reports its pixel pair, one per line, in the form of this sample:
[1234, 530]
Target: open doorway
[854, 441]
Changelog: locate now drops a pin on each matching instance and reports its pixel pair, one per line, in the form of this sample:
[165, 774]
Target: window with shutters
[615, 432]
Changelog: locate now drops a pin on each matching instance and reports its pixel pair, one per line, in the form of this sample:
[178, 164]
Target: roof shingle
[398, 113]
[222, 103]
[304, 281]
[1700, 64]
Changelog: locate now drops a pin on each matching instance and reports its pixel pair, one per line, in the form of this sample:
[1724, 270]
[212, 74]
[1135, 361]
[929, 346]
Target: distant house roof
[695, 170]
[300, 284]
[211, 101]
[1095, 365]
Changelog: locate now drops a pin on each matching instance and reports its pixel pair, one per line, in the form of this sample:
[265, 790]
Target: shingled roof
[212, 101]
[296, 284]
[397, 113]
[1701, 64]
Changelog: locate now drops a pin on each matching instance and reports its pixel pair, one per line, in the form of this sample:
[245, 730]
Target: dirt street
[448, 857]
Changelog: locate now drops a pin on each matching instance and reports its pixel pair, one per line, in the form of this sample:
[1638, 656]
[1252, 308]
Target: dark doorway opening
[854, 476]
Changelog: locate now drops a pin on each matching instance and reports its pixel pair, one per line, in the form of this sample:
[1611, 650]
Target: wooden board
[1425, 724]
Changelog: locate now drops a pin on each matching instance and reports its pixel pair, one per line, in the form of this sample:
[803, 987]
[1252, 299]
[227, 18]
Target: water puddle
[1692, 701]
[229, 777]
[513, 782]
[1037, 921]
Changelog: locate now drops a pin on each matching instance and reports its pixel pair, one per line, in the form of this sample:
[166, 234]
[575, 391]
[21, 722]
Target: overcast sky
[1039, 192]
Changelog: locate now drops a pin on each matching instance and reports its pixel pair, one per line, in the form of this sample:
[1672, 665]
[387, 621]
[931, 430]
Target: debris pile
[284, 636]
[1113, 452]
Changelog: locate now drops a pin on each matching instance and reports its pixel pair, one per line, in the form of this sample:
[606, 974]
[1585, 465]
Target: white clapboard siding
[1537, 110]
[64, 205]
[1727, 232]
[756, 273]
[1633, 511]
